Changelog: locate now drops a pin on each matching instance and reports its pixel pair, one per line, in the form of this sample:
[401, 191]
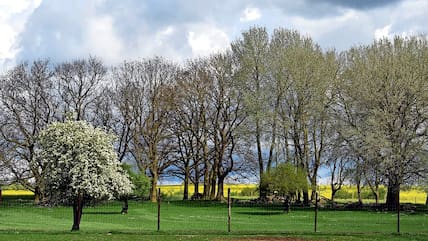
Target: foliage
[285, 179]
[140, 181]
[80, 160]
[384, 100]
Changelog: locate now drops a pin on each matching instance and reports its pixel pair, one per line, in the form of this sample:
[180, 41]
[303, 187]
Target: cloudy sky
[180, 29]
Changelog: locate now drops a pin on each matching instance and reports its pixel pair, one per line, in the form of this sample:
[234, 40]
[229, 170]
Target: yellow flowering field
[235, 189]
[17, 193]
[250, 191]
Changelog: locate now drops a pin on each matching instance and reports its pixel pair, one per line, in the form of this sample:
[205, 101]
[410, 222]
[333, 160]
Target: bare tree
[228, 115]
[79, 85]
[191, 127]
[27, 106]
[146, 97]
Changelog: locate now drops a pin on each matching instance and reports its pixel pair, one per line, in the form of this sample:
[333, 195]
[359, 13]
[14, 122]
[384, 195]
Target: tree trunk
[392, 197]
[220, 188]
[125, 206]
[333, 193]
[153, 187]
[426, 200]
[214, 179]
[196, 191]
[313, 192]
[77, 212]
[207, 180]
[0, 196]
[376, 197]
[207, 165]
[305, 198]
[186, 184]
[37, 195]
[299, 197]
[262, 193]
[313, 186]
[360, 199]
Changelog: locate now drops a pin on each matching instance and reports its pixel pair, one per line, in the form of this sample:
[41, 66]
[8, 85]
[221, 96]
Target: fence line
[231, 216]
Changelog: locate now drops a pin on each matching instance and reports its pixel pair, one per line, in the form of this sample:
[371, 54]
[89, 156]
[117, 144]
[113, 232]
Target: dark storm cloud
[357, 4]
[324, 8]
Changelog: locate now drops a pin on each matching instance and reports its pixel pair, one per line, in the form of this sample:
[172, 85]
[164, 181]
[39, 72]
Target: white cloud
[384, 32]
[114, 31]
[13, 16]
[159, 43]
[164, 34]
[102, 40]
[250, 14]
[206, 39]
[320, 26]
[8, 8]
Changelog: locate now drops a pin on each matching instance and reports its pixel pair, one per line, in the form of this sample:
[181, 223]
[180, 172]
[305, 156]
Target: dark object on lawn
[287, 205]
[354, 205]
[125, 207]
[196, 196]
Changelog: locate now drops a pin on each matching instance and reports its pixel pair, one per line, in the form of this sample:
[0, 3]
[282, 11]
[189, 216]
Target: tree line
[272, 98]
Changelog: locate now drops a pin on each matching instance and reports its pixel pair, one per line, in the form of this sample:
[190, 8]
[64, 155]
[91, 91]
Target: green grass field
[203, 221]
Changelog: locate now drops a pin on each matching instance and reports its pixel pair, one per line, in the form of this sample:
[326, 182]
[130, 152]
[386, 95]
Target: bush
[284, 179]
[343, 194]
[248, 191]
[368, 194]
[141, 182]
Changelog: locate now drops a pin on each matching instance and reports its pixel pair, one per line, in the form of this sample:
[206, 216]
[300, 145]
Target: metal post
[159, 206]
[316, 211]
[229, 207]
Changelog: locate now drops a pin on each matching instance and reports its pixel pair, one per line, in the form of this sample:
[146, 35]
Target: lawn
[203, 221]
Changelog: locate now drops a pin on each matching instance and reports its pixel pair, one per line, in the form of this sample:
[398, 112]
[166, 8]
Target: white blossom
[80, 159]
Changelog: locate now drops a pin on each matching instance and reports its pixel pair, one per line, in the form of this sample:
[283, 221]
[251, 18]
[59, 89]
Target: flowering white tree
[80, 163]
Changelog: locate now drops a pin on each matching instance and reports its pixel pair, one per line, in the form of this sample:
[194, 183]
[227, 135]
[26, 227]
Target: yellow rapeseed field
[17, 193]
[250, 191]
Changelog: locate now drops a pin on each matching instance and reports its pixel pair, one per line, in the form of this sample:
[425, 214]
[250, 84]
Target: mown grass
[200, 220]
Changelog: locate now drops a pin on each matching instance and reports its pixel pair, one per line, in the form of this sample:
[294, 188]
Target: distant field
[17, 193]
[347, 194]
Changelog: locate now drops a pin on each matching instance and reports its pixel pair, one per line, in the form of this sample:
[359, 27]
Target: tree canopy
[80, 163]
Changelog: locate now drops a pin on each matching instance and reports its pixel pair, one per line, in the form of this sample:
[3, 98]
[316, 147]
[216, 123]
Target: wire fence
[231, 215]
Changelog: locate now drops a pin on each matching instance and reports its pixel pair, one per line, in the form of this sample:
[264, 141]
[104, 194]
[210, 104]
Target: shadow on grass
[97, 213]
[261, 213]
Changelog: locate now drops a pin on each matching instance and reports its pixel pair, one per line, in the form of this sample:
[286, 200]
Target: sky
[180, 29]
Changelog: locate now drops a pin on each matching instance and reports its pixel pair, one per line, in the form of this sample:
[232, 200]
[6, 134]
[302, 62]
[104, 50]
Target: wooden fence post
[159, 206]
[229, 208]
[398, 212]
[316, 211]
